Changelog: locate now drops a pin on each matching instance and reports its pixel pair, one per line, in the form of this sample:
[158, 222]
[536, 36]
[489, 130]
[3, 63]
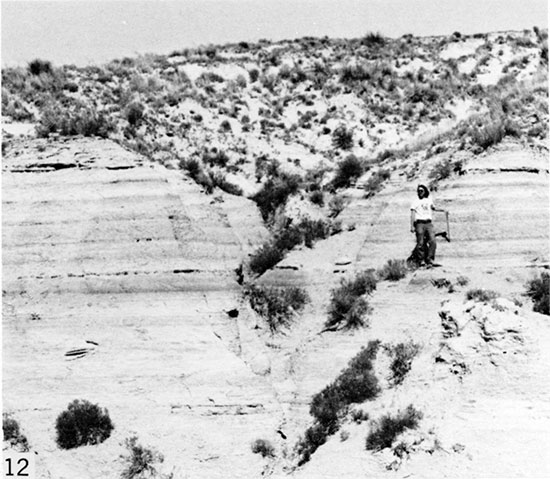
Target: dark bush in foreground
[276, 305]
[482, 295]
[141, 460]
[393, 270]
[347, 307]
[389, 427]
[82, 423]
[12, 433]
[263, 447]
[403, 355]
[538, 289]
[348, 170]
[355, 384]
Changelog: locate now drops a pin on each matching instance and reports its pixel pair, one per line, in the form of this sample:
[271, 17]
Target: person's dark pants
[425, 241]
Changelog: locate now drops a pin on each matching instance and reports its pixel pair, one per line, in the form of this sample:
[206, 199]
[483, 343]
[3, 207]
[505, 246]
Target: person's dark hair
[426, 190]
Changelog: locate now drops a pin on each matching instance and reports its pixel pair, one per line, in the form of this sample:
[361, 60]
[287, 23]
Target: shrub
[538, 289]
[254, 75]
[14, 108]
[275, 192]
[444, 169]
[356, 383]
[358, 416]
[82, 423]
[375, 182]
[403, 354]
[215, 157]
[313, 230]
[336, 205]
[423, 94]
[488, 134]
[140, 461]
[347, 306]
[373, 39]
[225, 126]
[317, 198]
[12, 433]
[263, 447]
[197, 174]
[276, 305]
[348, 170]
[342, 138]
[306, 231]
[219, 180]
[266, 257]
[79, 120]
[314, 437]
[37, 67]
[482, 295]
[389, 427]
[393, 270]
[134, 113]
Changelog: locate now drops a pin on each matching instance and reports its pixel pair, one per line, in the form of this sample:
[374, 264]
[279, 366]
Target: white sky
[84, 31]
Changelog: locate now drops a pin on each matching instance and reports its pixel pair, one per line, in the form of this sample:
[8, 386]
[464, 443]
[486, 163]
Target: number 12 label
[18, 465]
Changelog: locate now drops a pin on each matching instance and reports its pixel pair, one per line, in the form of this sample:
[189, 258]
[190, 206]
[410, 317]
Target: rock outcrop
[119, 287]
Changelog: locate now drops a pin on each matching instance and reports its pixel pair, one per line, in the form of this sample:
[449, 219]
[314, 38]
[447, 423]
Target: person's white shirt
[422, 208]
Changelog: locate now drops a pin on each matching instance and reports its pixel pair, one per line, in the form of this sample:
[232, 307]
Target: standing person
[421, 224]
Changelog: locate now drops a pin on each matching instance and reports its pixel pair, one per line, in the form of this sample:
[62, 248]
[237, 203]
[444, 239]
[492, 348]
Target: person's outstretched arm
[412, 220]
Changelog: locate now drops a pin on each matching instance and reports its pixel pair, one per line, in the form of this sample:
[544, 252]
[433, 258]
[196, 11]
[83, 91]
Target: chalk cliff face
[119, 275]
[123, 277]
[134, 267]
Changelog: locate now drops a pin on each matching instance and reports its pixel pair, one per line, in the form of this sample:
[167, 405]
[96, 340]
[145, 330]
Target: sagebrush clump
[140, 461]
[538, 289]
[275, 192]
[12, 433]
[263, 447]
[342, 138]
[388, 427]
[481, 295]
[306, 232]
[347, 171]
[347, 305]
[402, 357]
[355, 384]
[393, 270]
[77, 120]
[82, 423]
[276, 305]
